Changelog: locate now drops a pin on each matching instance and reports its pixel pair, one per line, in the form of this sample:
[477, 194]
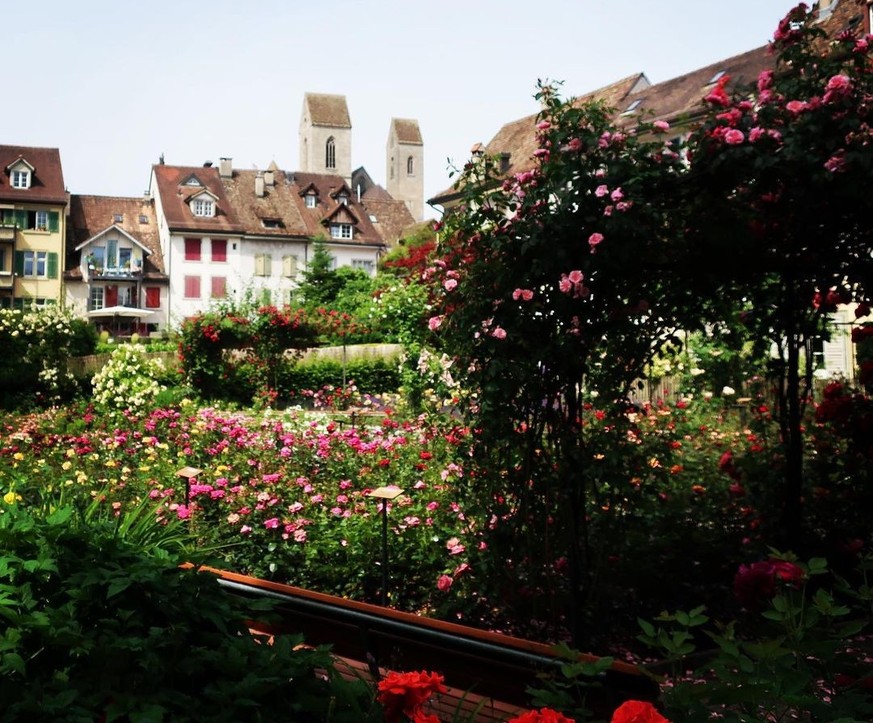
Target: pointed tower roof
[328, 110]
[406, 130]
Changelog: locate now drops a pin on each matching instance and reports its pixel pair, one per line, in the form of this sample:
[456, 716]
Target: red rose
[544, 715]
[405, 693]
[637, 711]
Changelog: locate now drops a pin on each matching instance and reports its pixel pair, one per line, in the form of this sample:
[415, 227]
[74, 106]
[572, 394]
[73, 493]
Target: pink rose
[575, 276]
[765, 80]
[434, 322]
[574, 145]
[498, 333]
[444, 583]
[661, 126]
[601, 191]
[617, 195]
[594, 239]
[796, 107]
[839, 83]
[450, 284]
[734, 137]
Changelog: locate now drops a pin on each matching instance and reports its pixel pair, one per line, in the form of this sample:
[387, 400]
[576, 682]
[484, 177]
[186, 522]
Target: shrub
[96, 629]
[129, 380]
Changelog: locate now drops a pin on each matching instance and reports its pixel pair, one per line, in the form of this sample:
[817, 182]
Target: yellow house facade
[33, 210]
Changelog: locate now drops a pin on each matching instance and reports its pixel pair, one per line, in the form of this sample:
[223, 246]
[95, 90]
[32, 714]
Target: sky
[116, 84]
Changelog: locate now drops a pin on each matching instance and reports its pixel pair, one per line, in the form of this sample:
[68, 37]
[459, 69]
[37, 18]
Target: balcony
[7, 280]
[115, 273]
[7, 233]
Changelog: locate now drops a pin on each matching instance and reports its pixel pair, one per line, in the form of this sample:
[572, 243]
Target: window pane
[219, 287]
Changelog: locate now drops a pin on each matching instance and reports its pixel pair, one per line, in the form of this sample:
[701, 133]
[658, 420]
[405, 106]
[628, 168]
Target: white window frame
[367, 265]
[41, 221]
[203, 207]
[311, 200]
[20, 179]
[341, 231]
[35, 260]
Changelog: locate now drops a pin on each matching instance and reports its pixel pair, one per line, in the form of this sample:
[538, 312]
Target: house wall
[51, 240]
[313, 140]
[182, 305]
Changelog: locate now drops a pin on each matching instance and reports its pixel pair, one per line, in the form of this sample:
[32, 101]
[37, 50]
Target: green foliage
[558, 280]
[370, 376]
[36, 345]
[792, 250]
[96, 628]
[321, 283]
[128, 381]
[796, 656]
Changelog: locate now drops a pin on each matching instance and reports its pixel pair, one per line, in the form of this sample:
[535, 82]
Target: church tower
[326, 135]
[405, 161]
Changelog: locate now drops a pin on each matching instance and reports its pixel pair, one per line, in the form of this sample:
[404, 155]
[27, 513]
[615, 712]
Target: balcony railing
[7, 233]
[7, 280]
[115, 272]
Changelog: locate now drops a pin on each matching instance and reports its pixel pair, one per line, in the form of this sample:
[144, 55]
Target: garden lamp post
[385, 494]
[187, 474]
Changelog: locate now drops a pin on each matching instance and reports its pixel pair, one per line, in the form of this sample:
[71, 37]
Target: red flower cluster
[405, 693]
[544, 715]
[755, 584]
[636, 711]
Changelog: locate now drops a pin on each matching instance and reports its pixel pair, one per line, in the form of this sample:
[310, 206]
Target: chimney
[259, 185]
[207, 164]
[269, 178]
[225, 167]
[504, 162]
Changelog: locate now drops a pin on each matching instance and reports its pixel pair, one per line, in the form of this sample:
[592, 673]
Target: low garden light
[187, 474]
[386, 494]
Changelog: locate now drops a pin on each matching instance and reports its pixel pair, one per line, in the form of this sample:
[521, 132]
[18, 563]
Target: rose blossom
[444, 583]
[734, 137]
[594, 239]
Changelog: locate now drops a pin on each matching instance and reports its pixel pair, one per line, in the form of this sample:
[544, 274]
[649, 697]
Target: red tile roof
[47, 182]
[174, 193]
[89, 215]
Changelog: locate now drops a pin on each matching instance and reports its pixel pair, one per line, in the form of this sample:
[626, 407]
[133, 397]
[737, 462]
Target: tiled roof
[407, 130]
[279, 203]
[679, 100]
[174, 192]
[392, 217]
[518, 137]
[328, 110]
[47, 182]
[89, 215]
[326, 185]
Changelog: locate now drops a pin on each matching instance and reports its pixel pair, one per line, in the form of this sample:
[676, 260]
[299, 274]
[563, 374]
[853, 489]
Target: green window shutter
[53, 266]
[21, 218]
[19, 263]
[18, 304]
[54, 221]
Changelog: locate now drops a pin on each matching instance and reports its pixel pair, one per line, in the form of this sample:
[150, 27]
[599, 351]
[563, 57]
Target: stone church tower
[326, 135]
[405, 165]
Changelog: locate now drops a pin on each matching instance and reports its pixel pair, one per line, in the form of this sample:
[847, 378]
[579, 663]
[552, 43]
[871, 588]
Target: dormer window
[21, 178]
[717, 77]
[203, 207]
[343, 199]
[272, 223]
[632, 107]
[341, 230]
[311, 200]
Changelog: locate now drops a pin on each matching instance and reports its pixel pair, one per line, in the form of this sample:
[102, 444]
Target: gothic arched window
[330, 153]
[410, 166]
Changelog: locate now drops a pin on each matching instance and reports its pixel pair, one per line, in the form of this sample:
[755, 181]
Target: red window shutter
[192, 249]
[192, 287]
[153, 297]
[219, 287]
[219, 249]
[111, 296]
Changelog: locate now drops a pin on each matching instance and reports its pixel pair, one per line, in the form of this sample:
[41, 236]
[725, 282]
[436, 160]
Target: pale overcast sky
[114, 84]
